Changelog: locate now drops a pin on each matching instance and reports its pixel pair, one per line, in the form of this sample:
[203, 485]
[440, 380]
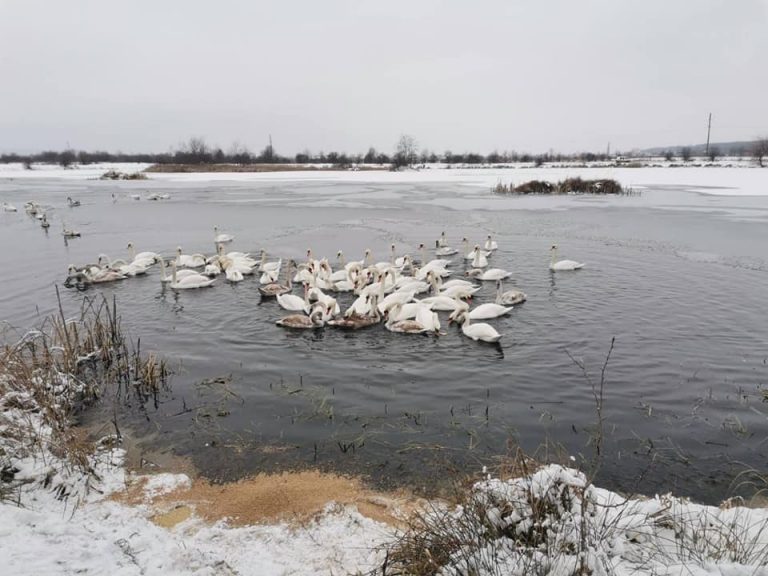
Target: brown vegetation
[567, 186]
[116, 175]
[50, 373]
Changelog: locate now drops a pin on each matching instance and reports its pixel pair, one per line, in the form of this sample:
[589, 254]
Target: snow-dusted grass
[555, 522]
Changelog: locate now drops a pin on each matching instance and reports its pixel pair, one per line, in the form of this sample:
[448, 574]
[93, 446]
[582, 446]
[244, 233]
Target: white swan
[72, 203]
[444, 250]
[189, 260]
[69, 233]
[132, 269]
[269, 277]
[102, 276]
[455, 282]
[405, 311]
[190, 281]
[481, 331]
[403, 326]
[489, 275]
[265, 266]
[9, 207]
[561, 265]
[153, 256]
[462, 292]
[44, 222]
[490, 244]
[442, 303]
[479, 261]
[395, 298]
[294, 303]
[233, 274]
[221, 238]
[179, 274]
[436, 263]
[482, 312]
[510, 297]
[427, 318]
[396, 261]
[470, 254]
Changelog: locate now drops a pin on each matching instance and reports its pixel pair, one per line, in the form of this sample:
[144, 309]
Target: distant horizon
[438, 152]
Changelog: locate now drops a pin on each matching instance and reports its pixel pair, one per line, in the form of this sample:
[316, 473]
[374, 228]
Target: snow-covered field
[739, 178]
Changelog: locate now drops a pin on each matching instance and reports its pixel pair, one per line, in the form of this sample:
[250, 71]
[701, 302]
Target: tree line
[197, 151]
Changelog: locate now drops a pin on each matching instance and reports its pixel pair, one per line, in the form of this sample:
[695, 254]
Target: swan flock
[403, 294]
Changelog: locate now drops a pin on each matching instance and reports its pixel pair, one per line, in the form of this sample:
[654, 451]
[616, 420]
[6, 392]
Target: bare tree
[239, 153]
[405, 153]
[370, 156]
[714, 153]
[685, 153]
[669, 155]
[760, 150]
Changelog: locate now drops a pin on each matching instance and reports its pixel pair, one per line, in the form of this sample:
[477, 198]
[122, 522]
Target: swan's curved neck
[163, 275]
[554, 255]
[131, 252]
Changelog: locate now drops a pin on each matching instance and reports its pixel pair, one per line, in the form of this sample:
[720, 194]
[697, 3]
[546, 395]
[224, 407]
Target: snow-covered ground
[528, 525]
[740, 178]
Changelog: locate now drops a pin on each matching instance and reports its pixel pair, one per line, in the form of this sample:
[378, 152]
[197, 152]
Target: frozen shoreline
[740, 179]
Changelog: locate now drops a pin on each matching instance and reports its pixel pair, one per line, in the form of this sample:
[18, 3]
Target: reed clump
[51, 373]
[605, 186]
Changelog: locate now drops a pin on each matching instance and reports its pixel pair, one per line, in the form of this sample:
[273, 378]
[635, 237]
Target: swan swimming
[489, 275]
[510, 297]
[486, 311]
[189, 282]
[179, 274]
[480, 331]
[300, 321]
[221, 238]
[561, 265]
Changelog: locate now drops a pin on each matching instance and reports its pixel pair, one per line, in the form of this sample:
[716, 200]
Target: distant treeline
[197, 151]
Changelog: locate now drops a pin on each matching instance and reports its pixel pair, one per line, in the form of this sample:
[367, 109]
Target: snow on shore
[40, 534]
[103, 536]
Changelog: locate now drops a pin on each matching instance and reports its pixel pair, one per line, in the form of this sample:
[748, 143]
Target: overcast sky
[344, 75]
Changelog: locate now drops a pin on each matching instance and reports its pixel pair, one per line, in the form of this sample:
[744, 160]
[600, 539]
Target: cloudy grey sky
[520, 75]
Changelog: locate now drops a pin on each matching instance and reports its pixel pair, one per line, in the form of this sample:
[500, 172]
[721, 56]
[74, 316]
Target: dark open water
[680, 279]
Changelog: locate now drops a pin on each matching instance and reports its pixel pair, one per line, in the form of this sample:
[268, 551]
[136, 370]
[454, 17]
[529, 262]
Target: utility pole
[709, 127]
[608, 153]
